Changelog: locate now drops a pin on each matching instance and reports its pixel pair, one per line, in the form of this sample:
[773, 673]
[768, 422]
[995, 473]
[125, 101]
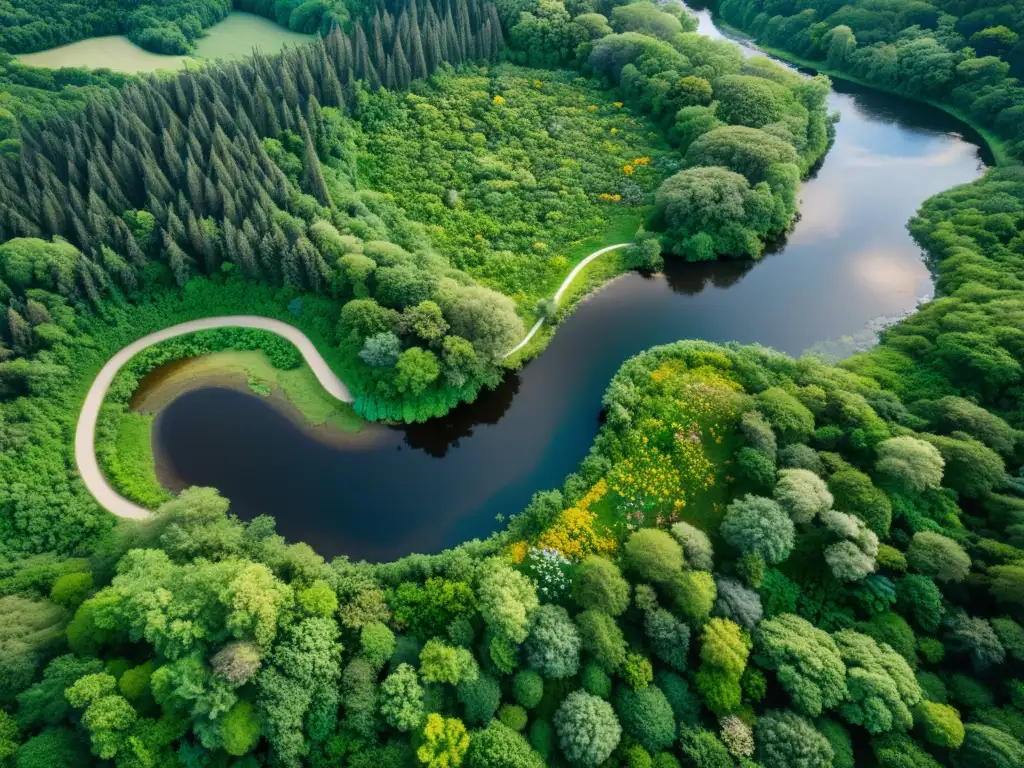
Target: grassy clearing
[130, 467]
[594, 275]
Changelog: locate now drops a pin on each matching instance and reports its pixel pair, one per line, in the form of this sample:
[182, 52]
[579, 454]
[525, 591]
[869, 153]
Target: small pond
[847, 263]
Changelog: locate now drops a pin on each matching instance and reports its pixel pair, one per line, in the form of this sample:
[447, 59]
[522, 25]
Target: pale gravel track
[85, 432]
[561, 290]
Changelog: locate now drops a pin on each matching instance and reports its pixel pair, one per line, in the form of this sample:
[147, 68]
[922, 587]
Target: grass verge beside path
[621, 229]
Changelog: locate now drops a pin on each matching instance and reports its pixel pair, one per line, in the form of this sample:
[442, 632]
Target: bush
[693, 595]
[401, 699]
[697, 550]
[738, 603]
[1011, 636]
[756, 525]
[587, 728]
[377, 644]
[598, 585]
[480, 699]
[969, 693]
[498, 746]
[802, 494]
[513, 716]
[990, 747]
[553, 645]
[854, 492]
[685, 703]
[669, 637]
[975, 638]
[637, 671]
[839, 739]
[71, 589]
[786, 740]
[596, 681]
[55, 747]
[806, 661]
[909, 464]
[602, 639]
[937, 556]
[528, 688]
[940, 724]
[646, 716]
[541, 736]
[737, 737]
[893, 629]
[891, 558]
[703, 749]
[919, 598]
[800, 456]
[652, 555]
[241, 728]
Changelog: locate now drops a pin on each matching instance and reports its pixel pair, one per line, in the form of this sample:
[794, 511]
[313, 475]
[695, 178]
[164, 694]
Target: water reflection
[848, 260]
[437, 436]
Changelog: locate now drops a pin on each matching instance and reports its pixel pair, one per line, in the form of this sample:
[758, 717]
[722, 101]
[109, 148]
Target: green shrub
[528, 688]
[646, 716]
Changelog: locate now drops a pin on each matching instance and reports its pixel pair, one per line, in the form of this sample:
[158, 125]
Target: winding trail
[85, 432]
[561, 290]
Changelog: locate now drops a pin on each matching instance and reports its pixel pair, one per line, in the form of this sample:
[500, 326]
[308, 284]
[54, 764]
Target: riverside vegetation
[764, 561]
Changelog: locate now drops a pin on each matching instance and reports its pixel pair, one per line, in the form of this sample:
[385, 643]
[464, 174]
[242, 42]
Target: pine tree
[246, 241]
[291, 270]
[418, 61]
[403, 72]
[312, 173]
[37, 313]
[177, 260]
[20, 332]
[53, 214]
[119, 269]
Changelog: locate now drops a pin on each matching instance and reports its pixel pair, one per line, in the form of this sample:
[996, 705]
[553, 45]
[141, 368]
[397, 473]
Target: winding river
[848, 262]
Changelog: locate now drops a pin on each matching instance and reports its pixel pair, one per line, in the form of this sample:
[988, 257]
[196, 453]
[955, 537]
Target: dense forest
[964, 55]
[762, 562]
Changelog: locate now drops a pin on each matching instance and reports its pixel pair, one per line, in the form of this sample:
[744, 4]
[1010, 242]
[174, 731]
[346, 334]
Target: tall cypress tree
[177, 260]
[403, 72]
[417, 59]
[312, 173]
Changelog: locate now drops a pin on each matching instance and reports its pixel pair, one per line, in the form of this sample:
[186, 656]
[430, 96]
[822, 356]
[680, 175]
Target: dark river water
[847, 262]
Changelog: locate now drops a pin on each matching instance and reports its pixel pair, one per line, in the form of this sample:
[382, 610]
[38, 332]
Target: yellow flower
[615, 130]
[540, 246]
[628, 170]
[591, 108]
[517, 551]
[537, 83]
[618, 105]
[499, 100]
[573, 532]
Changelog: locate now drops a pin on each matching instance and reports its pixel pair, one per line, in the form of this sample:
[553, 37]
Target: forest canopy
[761, 562]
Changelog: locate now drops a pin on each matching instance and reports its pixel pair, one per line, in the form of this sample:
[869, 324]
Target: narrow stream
[848, 262]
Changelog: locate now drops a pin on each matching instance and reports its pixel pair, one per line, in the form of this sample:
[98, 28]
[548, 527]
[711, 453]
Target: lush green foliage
[701, 588]
[964, 55]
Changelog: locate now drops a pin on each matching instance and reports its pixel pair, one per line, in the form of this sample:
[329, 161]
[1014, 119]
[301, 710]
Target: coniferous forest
[763, 561]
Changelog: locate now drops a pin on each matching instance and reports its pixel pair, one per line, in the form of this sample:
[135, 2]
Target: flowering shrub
[549, 569]
[573, 533]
